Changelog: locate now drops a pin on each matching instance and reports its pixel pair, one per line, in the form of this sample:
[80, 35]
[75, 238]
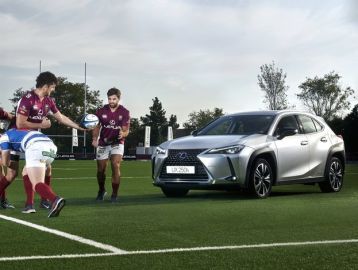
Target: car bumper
[212, 171]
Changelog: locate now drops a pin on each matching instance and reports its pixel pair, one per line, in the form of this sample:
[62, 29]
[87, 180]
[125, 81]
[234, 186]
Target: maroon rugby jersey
[31, 106]
[111, 123]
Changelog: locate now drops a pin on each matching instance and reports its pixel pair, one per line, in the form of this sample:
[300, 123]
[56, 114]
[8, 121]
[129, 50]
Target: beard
[113, 105]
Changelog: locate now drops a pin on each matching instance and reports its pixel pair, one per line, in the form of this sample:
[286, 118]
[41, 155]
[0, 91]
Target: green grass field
[144, 220]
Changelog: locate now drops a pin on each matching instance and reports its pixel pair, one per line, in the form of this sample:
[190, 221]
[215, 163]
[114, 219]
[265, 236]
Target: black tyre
[174, 192]
[261, 179]
[334, 176]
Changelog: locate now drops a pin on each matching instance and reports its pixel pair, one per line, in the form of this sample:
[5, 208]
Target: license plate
[181, 169]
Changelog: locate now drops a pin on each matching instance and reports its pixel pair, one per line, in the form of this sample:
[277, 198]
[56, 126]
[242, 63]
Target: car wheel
[174, 192]
[334, 176]
[261, 178]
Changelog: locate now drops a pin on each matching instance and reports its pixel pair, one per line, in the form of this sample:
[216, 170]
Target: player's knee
[12, 175]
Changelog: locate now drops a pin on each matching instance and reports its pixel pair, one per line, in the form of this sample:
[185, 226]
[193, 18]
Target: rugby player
[40, 152]
[32, 111]
[6, 119]
[108, 138]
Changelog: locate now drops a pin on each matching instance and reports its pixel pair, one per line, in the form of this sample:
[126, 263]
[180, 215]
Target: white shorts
[40, 154]
[103, 152]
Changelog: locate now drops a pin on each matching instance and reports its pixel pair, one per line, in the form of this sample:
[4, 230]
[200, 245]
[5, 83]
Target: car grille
[190, 159]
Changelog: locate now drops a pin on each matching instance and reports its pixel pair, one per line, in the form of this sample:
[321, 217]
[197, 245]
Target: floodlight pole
[85, 110]
[40, 72]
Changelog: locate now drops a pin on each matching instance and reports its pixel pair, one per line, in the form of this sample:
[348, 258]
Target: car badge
[182, 155]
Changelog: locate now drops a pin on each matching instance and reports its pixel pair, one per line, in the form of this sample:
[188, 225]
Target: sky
[191, 54]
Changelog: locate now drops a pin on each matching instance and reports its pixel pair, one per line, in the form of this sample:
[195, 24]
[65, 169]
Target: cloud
[177, 49]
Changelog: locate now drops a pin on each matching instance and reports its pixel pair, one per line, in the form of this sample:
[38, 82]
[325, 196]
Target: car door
[292, 151]
[319, 145]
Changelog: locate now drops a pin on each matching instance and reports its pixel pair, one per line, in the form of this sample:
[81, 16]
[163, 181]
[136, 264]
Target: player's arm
[5, 150]
[6, 115]
[95, 135]
[124, 132]
[21, 122]
[125, 128]
[64, 120]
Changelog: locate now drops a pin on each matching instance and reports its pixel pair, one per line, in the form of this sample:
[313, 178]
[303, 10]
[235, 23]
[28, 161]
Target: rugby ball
[89, 121]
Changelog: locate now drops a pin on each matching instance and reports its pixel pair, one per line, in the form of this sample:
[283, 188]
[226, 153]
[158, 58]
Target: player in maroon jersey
[6, 118]
[32, 111]
[108, 137]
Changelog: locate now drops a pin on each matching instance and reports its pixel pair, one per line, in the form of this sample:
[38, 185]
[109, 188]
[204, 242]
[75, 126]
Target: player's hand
[46, 123]
[121, 134]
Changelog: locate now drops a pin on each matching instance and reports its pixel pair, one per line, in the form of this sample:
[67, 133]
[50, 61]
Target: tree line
[323, 96]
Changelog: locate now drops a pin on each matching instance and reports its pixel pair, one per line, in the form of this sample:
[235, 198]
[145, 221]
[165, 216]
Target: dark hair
[114, 91]
[45, 78]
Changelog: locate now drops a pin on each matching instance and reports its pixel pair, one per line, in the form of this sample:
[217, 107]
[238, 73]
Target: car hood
[206, 142]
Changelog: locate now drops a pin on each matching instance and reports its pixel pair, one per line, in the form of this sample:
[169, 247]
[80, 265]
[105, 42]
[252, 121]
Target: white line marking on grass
[64, 256]
[65, 235]
[65, 169]
[325, 242]
[174, 250]
[122, 177]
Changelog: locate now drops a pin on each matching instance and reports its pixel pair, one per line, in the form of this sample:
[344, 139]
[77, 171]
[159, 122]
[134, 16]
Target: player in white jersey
[40, 152]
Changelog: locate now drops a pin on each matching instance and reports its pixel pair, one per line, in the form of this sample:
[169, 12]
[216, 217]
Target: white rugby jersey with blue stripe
[18, 139]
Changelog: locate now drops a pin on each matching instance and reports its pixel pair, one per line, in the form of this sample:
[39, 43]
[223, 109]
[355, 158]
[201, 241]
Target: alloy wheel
[335, 175]
[262, 179]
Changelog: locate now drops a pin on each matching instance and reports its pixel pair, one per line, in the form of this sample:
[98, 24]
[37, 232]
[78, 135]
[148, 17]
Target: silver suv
[252, 151]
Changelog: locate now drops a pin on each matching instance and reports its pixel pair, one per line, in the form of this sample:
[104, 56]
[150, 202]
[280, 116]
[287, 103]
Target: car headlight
[234, 149]
[160, 151]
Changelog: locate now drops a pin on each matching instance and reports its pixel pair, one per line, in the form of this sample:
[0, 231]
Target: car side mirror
[194, 132]
[287, 132]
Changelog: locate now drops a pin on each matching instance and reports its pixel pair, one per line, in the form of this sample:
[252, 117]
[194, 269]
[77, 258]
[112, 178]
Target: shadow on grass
[193, 196]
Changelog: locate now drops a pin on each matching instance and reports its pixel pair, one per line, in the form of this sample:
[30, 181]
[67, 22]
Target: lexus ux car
[252, 151]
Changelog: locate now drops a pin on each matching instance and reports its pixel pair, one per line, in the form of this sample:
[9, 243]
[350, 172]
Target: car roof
[271, 112]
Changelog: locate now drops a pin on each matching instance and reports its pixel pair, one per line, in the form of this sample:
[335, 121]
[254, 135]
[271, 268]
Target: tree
[69, 98]
[324, 96]
[173, 121]
[201, 118]
[350, 131]
[135, 137]
[157, 121]
[18, 93]
[272, 82]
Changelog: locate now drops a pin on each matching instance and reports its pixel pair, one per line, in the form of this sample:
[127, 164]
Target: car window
[238, 125]
[287, 122]
[307, 124]
[318, 125]
[222, 128]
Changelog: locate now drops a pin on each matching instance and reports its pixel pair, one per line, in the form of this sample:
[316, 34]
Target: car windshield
[238, 125]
